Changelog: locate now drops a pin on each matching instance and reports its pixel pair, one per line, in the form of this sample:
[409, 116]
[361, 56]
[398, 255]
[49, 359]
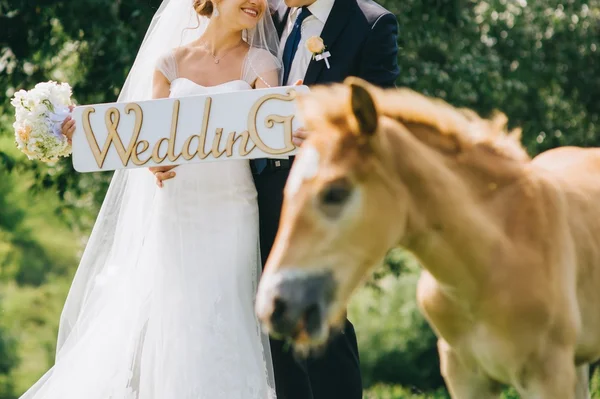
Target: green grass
[382, 391]
[32, 315]
[40, 224]
[38, 255]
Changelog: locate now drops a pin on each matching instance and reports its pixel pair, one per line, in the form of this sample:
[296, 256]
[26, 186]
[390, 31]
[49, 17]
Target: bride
[162, 303]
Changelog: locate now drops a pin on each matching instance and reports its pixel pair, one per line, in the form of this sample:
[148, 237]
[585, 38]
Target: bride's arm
[262, 69]
[161, 89]
[268, 79]
[160, 85]
[271, 79]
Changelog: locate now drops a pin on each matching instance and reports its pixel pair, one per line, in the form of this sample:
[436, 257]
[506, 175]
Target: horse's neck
[450, 226]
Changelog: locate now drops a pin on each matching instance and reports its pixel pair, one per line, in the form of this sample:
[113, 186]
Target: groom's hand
[162, 173]
[299, 136]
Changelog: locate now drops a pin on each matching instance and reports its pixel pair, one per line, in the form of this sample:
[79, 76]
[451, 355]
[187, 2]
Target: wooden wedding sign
[234, 125]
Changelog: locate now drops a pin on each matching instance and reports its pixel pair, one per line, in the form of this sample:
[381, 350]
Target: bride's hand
[162, 173]
[68, 127]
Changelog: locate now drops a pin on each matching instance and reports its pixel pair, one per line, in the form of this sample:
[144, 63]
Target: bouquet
[39, 115]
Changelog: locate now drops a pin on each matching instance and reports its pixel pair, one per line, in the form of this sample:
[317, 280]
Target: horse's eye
[334, 196]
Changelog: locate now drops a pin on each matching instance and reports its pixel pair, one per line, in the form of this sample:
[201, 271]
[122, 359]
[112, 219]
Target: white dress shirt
[311, 26]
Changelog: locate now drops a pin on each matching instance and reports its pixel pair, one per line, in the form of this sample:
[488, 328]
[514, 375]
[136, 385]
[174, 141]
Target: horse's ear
[363, 106]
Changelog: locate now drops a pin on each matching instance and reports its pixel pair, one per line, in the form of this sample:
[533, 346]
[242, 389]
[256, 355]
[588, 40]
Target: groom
[360, 36]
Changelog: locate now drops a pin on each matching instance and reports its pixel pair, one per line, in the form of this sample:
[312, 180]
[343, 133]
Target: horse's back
[566, 158]
[576, 171]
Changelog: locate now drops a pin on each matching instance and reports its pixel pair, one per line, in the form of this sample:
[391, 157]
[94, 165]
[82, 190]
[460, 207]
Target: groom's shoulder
[372, 11]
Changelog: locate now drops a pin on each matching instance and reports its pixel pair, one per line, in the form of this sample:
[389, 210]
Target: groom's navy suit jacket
[362, 39]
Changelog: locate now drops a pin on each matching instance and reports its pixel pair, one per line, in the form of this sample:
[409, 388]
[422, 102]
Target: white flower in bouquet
[39, 114]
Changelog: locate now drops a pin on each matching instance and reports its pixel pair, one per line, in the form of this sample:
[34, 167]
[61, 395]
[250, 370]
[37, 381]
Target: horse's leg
[552, 377]
[464, 382]
[583, 382]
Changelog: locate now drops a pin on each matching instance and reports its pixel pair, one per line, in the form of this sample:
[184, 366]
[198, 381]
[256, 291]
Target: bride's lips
[252, 12]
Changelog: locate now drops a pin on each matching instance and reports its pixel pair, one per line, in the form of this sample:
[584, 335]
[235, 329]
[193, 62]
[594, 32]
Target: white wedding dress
[174, 319]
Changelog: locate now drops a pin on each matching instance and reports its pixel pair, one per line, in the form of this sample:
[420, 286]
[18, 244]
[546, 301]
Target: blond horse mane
[467, 129]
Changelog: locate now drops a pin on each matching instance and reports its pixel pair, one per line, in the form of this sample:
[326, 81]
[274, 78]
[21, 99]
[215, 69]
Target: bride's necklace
[217, 60]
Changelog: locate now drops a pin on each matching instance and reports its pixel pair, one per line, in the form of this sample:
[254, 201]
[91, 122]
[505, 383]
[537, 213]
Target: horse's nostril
[312, 319]
[297, 304]
[279, 309]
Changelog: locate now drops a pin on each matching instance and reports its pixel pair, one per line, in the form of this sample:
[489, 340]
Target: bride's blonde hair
[204, 7]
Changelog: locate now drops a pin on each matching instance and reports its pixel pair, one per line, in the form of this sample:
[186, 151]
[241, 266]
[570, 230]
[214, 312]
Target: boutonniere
[316, 46]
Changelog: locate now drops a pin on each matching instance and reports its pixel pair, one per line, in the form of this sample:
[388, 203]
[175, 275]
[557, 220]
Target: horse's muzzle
[294, 304]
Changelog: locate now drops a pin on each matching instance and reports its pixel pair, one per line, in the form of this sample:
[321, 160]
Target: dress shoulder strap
[167, 65]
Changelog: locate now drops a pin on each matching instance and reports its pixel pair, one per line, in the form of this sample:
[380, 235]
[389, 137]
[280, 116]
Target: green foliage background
[537, 61]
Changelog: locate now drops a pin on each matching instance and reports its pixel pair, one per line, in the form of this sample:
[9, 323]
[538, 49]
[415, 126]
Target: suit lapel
[336, 22]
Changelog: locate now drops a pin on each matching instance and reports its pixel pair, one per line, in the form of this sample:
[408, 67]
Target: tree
[537, 61]
[91, 45]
